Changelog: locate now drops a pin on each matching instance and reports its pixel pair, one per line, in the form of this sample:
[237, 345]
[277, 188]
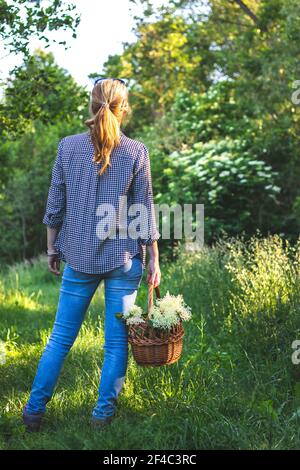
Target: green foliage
[214, 114]
[24, 194]
[247, 97]
[230, 181]
[40, 90]
[168, 55]
[265, 274]
[20, 20]
[42, 104]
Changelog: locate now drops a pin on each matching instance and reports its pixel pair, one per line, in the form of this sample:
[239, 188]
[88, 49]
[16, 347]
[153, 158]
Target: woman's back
[86, 205]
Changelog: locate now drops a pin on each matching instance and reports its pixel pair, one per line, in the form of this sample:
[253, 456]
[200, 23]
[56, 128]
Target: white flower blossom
[165, 313]
[134, 311]
[134, 320]
[134, 315]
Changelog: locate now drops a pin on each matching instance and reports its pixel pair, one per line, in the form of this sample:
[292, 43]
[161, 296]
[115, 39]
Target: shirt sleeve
[143, 194]
[56, 202]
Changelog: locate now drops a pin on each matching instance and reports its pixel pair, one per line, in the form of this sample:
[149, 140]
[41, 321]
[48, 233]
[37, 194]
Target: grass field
[235, 386]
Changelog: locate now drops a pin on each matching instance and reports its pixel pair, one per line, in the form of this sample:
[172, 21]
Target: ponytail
[109, 100]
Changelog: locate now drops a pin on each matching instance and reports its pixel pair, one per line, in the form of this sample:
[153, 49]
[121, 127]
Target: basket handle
[150, 295]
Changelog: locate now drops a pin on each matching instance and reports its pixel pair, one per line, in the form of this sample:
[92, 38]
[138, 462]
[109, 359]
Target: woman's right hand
[154, 273]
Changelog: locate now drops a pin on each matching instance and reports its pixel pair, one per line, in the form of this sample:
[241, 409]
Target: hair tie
[105, 104]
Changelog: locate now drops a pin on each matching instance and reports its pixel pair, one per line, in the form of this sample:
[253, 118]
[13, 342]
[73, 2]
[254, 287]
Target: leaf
[119, 315]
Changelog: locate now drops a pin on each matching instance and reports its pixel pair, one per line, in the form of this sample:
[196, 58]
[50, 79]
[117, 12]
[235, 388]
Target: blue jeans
[76, 292]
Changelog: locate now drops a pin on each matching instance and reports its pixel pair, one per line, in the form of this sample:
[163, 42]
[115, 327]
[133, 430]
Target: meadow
[235, 386]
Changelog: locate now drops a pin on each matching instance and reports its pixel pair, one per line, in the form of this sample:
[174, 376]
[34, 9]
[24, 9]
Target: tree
[42, 104]
[168, 55]
[24, 192]
[40, 90]
[254, 51]
[22, 19]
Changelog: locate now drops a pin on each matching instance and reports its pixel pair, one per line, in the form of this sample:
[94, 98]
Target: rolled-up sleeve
[143, 194]
[56, 202]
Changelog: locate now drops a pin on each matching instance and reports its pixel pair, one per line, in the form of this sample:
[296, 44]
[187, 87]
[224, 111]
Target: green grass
[235, 386]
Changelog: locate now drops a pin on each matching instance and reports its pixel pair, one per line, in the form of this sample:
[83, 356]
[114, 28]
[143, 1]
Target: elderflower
[134, 315]
[171, 303]
[134, 320]
[162, 319]
[185, 313]
[164, 314]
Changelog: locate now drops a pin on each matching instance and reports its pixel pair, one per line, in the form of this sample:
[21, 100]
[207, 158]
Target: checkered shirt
[77, 190]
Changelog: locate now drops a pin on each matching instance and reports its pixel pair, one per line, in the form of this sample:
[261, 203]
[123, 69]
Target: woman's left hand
[54, 264]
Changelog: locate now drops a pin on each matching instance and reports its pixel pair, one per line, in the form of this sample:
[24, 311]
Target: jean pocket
[133, 267]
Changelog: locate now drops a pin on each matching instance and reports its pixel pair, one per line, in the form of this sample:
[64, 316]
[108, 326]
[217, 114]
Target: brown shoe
[32, 422]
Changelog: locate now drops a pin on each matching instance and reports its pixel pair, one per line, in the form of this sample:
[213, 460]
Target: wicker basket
[153, 347]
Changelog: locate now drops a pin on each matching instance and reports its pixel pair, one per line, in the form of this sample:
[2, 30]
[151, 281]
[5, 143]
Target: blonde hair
[109, 100]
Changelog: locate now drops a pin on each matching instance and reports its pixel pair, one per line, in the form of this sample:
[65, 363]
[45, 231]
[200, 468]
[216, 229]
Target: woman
[96, 176]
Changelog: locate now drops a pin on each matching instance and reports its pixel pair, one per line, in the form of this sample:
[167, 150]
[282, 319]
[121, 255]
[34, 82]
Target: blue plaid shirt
[77, 190]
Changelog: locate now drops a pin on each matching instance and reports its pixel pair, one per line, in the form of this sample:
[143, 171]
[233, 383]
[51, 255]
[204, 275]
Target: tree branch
[248, 12]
